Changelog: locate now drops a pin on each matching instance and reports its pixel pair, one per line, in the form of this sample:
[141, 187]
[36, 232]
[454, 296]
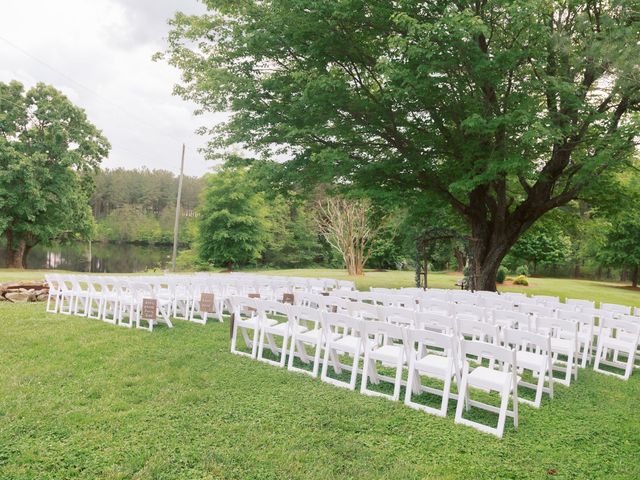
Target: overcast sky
[100, 51]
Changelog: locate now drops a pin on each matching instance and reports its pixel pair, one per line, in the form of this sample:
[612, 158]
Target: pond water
[105, 257]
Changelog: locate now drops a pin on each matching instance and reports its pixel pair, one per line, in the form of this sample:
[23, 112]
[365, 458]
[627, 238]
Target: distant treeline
[138, 206]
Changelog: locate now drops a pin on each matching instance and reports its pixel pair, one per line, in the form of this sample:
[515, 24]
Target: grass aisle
[83, 399]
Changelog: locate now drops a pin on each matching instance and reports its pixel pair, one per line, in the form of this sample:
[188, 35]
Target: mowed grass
[83, 399]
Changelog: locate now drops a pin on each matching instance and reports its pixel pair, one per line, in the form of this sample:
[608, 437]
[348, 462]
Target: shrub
[522, 270]
[501, 275]
[521, 280]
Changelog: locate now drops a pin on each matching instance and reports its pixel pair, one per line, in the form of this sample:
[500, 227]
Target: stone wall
[16, 292]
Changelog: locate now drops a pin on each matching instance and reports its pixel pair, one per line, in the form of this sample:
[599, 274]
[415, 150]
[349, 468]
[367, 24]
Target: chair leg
[502, 416]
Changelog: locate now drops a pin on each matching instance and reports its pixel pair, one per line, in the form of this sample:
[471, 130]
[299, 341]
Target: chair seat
[348, 343]
[387, 353]
[436, 365]
[531, 360]
[484, 377]
[314, 336]
[281, 328]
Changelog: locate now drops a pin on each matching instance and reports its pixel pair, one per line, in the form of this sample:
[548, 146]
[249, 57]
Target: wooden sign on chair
[207, 303]
[149, 309]
[287, 298]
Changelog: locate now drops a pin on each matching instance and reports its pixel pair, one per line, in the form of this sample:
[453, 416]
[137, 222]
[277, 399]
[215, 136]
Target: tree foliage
[505, 109]
[233, 220]
[49, 152]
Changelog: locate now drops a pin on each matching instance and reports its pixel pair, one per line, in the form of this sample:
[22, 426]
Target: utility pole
[176, 224]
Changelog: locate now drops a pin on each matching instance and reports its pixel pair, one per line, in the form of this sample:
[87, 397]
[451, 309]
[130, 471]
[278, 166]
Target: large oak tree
[49, 152]
[505, 109]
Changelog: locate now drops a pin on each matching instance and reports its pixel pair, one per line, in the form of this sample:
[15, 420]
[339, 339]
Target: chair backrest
[417, 339]
[436, 305]
[538, 310]
[580, 304]
[551, 299]
[504, 355]
[242, 305]
[392, 334]
[613, 327]
[523, 340]
[396, 300]
[402, 317]
[556, 327]
[273, 309]
[515, 297]
[306, 317]
[365, 311]
[140, 290]
[615, 308]
[334, 304]
[478, 330]
[585, 320]
[435, 322]
[308, 299]
[469, 311]
[51, 280]
[339, 323]
[507, 318]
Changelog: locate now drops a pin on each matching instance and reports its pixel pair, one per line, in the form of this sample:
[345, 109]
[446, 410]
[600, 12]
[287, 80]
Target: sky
[98, 53]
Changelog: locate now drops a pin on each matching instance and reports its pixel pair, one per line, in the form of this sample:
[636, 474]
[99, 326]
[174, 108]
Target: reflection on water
[105, 257]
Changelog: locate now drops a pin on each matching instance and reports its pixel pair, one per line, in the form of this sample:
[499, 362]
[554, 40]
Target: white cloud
[106, 46]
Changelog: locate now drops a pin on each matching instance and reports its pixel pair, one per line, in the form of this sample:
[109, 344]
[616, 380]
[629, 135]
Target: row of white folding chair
[114, 300]
[572, 336]
[338, 334]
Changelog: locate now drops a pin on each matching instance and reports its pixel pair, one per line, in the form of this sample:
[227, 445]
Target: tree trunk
[576, 270]
[489, 246]
[15, 251]
[634, 276]
[25, 254]
[461, 259]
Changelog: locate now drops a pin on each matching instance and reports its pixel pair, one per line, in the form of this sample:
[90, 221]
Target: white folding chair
[533, 353]
[112, 291]
[66, 295]
[307, 331]
[504, 381]
[391, 351]
[143, 290]
[81, 297]
[95, 302]
[564, 341]
[619, 336]
[432, 355]
[343, 337]
[53, 298]
[276, 321]
[245, 318]
[586, 323]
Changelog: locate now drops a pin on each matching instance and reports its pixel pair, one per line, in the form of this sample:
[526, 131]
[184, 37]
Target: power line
[88, 89]
[32, 118]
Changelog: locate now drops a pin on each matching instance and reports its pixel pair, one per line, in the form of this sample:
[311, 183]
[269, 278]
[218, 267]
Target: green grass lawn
[83, 399]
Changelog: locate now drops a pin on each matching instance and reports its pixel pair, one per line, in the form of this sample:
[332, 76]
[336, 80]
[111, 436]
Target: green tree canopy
[505, 109]
[49, 152]
[233, 221]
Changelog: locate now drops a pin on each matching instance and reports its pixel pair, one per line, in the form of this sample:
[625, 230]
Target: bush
[501, 275]
[522, 270]
[521, 280]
